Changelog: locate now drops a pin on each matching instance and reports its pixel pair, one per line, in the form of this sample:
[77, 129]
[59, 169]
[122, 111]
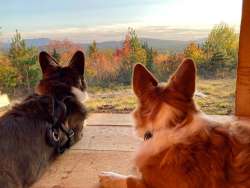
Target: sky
[104, 20]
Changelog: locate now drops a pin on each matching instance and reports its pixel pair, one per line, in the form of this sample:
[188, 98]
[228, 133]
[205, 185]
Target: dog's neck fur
[165, 136]
[81, 96]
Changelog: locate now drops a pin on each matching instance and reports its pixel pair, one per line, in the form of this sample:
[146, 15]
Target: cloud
[163, 19]
[117, 32]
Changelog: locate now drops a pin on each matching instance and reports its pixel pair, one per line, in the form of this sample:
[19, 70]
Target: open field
[213, 97]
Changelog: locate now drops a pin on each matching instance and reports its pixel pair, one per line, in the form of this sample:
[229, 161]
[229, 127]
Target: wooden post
[242, 102]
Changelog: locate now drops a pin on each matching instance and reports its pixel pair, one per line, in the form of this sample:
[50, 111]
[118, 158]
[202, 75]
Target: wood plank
[80, 169]
[103, 119]
[108, 138]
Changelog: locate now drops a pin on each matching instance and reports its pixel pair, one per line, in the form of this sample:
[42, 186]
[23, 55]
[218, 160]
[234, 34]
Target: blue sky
[83, 21]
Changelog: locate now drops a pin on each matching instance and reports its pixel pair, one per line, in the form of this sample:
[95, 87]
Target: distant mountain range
[36, 42]
[159, 44]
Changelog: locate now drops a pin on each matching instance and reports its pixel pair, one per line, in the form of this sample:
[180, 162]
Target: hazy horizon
[100, 20]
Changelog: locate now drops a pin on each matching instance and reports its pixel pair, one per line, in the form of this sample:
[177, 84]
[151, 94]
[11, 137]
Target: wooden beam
[242, 104]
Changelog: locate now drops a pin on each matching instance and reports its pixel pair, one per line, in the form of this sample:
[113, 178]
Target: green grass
[217, 97]
[118, 99]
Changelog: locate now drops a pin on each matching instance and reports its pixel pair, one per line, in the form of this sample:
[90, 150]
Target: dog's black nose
[147, 135]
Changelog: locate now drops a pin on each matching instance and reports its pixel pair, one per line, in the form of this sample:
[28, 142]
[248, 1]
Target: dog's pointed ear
[183, 80]
[47, 63]
[143, 80]
[78, 62]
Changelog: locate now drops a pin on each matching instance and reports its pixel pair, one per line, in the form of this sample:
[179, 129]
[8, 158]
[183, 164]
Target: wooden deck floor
[107, 145]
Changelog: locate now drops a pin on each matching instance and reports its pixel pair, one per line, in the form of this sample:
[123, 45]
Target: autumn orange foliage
[65, 48]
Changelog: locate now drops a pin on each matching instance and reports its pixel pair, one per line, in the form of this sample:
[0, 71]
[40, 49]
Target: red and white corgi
[183, 148]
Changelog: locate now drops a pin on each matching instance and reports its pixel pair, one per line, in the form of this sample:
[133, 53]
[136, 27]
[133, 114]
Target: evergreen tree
[222, 41]
[138, 54]
[56, 55]
[24, 60]
[150, 56]
[92, 49]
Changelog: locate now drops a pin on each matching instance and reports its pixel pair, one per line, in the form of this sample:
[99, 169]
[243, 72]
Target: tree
[64, 48]
[149, 56]
[92, 49]
[56, 55]
[8, 75]
[166, 64]
[24, 59]
[138, 54]
[222, 37]
[131, 53]
[195, 52]
[221, 47]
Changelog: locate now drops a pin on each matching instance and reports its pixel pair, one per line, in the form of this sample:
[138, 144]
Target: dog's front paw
[112, 180]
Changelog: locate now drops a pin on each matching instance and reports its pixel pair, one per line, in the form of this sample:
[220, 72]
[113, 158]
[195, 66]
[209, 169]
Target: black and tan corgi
[33, 132]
